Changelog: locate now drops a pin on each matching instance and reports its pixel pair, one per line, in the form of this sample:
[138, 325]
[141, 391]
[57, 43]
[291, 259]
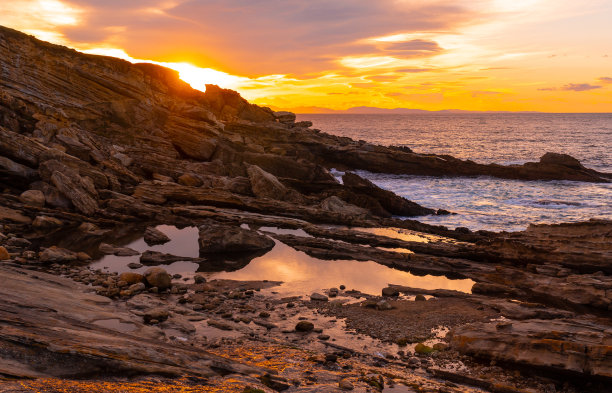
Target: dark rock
[304, 326]
[33, 197]
[153, 236]
[390, 292]
[318, 297]
[218, 238]
[158, 277]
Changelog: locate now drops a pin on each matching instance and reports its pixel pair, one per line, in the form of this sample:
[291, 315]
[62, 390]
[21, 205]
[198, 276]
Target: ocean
[508, 138]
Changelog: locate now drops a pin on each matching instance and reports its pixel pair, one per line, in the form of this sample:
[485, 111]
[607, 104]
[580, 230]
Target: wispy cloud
[580, 87]
[573, 87]
[605, 79]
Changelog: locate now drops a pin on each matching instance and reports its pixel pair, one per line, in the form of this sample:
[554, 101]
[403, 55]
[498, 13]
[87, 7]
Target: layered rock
[561, 345]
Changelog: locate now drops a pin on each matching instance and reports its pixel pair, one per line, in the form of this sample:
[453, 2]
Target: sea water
[506, 138]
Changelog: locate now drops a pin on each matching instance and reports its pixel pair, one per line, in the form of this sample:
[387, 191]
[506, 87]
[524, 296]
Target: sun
[196, 77]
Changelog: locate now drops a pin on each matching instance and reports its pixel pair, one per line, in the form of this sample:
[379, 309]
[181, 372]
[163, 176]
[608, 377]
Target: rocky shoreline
[96, 153]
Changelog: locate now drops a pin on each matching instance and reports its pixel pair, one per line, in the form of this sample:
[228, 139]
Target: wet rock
[33, 197]
[199, 279]
[390, 292]
[561, 159]
[109, 249]
[304, 326]
[158, 277]
[46, 222]
[4, 255]
[333, 292]
[419, 298]
[323, 337]
[159, 258]
[217, 238]
[153, 236]
[318, 297]
[135, 265]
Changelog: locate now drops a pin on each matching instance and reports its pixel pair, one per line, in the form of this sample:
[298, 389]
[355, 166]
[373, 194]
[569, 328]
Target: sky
[304, 55]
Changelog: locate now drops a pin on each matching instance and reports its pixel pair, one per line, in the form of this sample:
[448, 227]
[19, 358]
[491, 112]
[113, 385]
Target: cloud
[577, 86]
[257, 37]
[605, 79]
[580, 87]
[481, 93]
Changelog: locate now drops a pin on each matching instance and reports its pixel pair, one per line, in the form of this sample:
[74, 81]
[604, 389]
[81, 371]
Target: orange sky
[542, 55]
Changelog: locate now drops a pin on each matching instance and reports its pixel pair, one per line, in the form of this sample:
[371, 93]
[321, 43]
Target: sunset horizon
[529, 55]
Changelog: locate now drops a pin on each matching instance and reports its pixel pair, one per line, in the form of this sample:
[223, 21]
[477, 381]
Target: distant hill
[370, 110]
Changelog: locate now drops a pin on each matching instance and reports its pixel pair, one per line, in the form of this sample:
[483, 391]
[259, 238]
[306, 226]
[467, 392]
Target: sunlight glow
[197, 77]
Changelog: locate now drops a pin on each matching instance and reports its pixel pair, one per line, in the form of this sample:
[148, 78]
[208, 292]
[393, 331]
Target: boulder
[153, 236]
[318, 297]
[33, 197]
[158, 277]
[4, 254]
[219, 238]
[46, 222]
[561, 159]
[390, 291]
[266, 185]
[392, 203]
[285, 117]
[156, 315]
[79, 190]
[53, 197]
[124, 159]
[336, 205]
[304, 326]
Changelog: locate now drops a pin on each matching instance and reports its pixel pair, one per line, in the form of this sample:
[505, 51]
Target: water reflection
[300, 273]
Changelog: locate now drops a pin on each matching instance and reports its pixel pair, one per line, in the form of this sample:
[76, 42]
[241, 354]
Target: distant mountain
[370, 110]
